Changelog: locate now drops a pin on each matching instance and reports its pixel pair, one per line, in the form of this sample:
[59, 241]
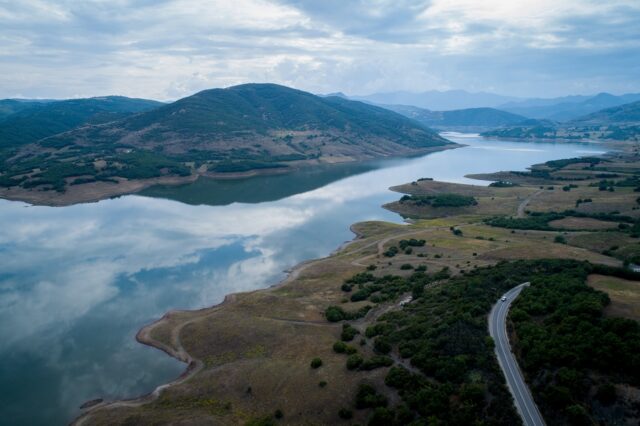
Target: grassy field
[624, 295]
[250, 357]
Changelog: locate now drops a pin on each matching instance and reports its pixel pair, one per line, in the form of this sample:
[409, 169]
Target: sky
[168, 49]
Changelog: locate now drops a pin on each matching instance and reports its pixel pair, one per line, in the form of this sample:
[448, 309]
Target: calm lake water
[76, 283]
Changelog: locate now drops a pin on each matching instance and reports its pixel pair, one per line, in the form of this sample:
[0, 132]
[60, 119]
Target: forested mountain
[616, 123]
[31, 121]
[237, 129]
[627, 113]
[569, 107]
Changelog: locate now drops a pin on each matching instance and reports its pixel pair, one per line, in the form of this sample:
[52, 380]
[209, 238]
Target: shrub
[316, 363]
[382, 416]
[399, 378]
[354, 361]
[382, 345]
[334, 314]
[345, 413]
[368, 397]
[560, 239]
[440, 200]
[392, 251]
[339, 347]
[406, 266]
[261, 421]
[376, 361]
[348, 333]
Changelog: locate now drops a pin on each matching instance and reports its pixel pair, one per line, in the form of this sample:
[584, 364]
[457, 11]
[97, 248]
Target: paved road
[498, 330]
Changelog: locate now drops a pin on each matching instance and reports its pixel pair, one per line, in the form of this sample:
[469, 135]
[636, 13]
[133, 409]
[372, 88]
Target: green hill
[238, 129]
[211, 119]
[470, 117]
[627, 113]
[11, 106]
[621, 123]
[32, 121]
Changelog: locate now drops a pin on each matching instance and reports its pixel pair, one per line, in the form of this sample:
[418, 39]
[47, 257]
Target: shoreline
[97, 191]
[193, 366]
[143, 336]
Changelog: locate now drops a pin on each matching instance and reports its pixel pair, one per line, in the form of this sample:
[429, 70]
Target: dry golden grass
[581, 223]
[265, 340]
[624, 295]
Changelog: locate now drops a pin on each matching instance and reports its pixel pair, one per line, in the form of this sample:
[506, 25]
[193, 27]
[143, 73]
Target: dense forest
[576, 360]
[452, 376]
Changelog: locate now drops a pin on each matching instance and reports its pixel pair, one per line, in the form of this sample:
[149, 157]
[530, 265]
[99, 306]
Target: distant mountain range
[238, 129]
[557, 109]
[470, 119]
[437, 100]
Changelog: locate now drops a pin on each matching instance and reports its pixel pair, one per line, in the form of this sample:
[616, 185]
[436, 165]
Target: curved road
[498, 330]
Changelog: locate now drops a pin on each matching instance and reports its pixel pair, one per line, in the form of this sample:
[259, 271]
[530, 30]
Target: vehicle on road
[504, 298]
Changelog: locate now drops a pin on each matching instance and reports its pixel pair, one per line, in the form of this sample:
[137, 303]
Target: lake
[76, 283]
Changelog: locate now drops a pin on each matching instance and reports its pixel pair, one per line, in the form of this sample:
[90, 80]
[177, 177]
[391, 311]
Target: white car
[504, 298]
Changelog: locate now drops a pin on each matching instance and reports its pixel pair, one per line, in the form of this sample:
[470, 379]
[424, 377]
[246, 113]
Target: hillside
[240, 129]
[569, 107]
[458, 119]
[620, 123]
[31, 121]
[627, 113]
[11, 106]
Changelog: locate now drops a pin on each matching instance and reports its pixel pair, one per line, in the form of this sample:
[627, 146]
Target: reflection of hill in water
[258, 189]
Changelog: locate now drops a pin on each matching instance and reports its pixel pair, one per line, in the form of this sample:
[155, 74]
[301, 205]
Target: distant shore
[98, 191]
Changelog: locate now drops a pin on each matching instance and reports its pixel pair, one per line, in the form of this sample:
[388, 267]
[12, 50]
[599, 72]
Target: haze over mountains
[438, 100]
[48, 145]
[469, 119]
[557, 109]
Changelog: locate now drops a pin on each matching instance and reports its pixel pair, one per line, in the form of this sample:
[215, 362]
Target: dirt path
[525, 202]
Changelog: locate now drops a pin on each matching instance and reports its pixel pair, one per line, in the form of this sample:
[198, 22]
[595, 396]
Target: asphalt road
[498, 330]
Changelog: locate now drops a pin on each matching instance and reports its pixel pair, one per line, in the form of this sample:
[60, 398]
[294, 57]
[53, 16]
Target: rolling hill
[462, 119]
[620, 123]
[568, 108]
[11, 106]
[32, 121]
[627, 113]
[237, 129]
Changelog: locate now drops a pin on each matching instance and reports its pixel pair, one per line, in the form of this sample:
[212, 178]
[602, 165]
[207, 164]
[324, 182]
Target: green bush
[440, 200]
[368, 397]
[348, 333]
[354, 361]
[345, 413]
[316, 363]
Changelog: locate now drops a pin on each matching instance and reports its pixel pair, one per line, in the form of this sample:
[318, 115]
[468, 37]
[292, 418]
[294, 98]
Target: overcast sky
[166, 49]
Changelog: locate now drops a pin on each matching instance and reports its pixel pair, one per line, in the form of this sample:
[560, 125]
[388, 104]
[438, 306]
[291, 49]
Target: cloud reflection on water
[77, 282]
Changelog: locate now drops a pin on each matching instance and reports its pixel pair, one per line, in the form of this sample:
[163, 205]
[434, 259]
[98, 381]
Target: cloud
[169, 49]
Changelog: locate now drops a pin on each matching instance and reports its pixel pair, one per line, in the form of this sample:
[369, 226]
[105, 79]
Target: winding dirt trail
[525, 202]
